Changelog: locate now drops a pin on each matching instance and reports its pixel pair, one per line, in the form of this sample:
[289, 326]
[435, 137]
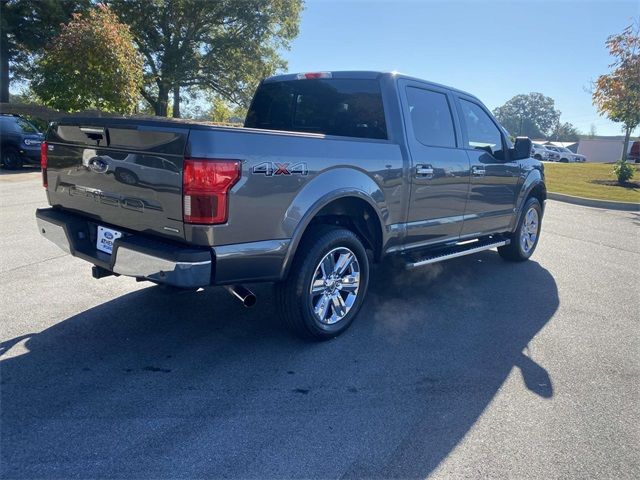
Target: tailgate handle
[96, 133]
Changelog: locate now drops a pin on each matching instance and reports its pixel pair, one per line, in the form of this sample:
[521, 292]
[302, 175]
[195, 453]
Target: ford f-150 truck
[332, 172]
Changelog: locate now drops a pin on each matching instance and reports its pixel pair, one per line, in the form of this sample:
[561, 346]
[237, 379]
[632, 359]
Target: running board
[458, 251]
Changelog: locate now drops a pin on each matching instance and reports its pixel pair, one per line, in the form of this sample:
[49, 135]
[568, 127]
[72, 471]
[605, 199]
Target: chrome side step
[458, 251]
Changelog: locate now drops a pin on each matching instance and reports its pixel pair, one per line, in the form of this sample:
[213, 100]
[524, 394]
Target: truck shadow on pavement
[155, 385]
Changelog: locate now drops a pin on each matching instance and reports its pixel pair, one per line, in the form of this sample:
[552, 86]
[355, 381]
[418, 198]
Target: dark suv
[20, 142]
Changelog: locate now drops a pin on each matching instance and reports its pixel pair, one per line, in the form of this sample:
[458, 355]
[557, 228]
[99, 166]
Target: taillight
[205, 187]
[43, 163]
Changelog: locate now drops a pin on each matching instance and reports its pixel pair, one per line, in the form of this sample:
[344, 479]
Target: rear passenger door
[494, 178]
[439, 169]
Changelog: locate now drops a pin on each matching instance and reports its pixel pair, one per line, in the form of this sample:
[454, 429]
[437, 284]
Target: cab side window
[431, 118]
[482, 133]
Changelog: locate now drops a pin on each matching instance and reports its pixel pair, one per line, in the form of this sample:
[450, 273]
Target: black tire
[11, 159]
[564, 160]
[516, 251]
[537, 156]
[293, 296]
[126, 176]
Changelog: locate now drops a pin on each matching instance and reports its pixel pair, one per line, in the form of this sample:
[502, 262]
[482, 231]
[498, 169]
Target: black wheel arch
[534, 186]
[5, 144]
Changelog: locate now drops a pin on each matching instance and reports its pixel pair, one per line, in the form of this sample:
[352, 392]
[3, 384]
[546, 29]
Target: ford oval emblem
[98, 165]
[108, 235]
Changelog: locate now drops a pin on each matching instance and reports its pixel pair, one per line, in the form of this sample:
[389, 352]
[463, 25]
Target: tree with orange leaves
[617, 94]
[91, 64]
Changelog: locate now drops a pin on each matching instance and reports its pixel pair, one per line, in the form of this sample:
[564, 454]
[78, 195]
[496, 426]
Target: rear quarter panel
[273, 206]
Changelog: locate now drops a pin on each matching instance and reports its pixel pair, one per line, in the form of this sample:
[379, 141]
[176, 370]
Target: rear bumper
[143, 257]
[133, 255]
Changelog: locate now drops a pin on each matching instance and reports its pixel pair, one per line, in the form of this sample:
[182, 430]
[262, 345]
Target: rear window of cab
[335, 106]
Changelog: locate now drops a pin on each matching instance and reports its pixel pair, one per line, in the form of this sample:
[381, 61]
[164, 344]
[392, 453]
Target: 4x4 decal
[271, 169]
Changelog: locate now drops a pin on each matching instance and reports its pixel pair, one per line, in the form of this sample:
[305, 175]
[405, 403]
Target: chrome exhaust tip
[246, 296]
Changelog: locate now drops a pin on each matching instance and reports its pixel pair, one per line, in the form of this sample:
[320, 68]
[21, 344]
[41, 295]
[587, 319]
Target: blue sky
[494, 50]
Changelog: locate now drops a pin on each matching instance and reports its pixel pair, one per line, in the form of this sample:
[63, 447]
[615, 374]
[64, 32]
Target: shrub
[623, 171]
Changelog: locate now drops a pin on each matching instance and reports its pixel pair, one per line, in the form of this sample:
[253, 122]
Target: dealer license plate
[106, 237]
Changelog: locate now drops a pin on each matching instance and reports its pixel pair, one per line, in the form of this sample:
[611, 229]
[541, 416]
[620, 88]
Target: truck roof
[363, 74]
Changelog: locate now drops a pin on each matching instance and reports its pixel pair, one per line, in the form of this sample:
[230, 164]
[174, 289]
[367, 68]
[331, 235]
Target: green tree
[532, 115]
[617, 94]
[565, 132]
[220, 111]
[91, 64]
[26, 26]
[222, 46]
[239, 113]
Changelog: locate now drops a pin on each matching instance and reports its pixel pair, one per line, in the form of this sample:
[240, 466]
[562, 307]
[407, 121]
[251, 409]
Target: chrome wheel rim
[334, 286]
[529, 231]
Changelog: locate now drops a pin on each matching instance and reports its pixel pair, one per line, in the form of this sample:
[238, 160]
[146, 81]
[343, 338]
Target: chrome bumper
[133, 255]
[136, 264]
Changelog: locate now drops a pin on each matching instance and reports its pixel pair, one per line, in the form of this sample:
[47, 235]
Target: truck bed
[127, 173]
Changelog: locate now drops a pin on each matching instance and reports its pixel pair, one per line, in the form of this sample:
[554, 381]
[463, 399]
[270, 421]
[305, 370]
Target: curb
[590, 202]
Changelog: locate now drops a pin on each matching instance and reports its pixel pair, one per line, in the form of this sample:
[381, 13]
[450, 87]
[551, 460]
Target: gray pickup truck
[332, 172]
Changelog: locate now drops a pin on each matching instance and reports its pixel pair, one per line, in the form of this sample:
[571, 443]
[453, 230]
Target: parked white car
[540, 152]
[566, 155]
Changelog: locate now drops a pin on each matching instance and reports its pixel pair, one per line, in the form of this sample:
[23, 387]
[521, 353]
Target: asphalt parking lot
[471, 368]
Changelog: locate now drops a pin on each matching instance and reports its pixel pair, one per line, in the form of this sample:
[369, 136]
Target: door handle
[424, 170]
[478, 171]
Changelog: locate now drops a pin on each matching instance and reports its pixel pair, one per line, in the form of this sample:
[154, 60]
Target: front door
[439, 170]
[494, 179]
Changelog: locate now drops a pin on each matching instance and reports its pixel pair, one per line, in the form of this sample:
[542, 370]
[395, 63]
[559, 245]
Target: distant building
[603, 149]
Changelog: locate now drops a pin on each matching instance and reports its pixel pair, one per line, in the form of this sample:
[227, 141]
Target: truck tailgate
[120, 172]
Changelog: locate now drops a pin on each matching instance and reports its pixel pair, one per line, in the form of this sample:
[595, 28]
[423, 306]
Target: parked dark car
[20, 142]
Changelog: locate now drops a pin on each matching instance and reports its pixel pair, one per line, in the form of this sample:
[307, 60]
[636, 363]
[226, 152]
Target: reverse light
[205, 188]
[43, 163]
[313, 75]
